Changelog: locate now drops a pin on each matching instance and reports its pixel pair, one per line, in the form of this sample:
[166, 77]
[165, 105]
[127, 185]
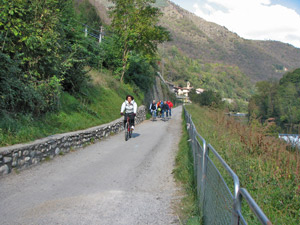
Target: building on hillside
[199, 91]
[183, 91]
[229, 100]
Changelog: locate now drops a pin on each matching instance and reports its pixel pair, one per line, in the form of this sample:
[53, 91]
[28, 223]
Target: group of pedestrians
[161, 108]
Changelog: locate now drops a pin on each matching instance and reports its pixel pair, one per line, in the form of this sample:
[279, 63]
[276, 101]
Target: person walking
[130, 109]
[170, 107]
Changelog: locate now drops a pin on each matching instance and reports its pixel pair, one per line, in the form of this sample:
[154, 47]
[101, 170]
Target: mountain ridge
[213, 43]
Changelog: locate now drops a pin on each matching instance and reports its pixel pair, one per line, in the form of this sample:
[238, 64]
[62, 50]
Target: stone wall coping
[51, 138]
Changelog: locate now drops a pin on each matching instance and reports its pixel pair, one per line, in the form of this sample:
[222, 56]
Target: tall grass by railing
[187, 210]
[265, 165]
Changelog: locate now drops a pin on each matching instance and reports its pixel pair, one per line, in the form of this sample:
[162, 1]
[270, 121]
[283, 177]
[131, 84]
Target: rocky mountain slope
[259, 60]
[211, 43]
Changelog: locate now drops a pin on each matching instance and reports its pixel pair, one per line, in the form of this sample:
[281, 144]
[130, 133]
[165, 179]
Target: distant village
[183, 92]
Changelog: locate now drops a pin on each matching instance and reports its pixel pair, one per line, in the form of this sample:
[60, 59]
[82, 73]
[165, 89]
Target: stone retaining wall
[24, 155]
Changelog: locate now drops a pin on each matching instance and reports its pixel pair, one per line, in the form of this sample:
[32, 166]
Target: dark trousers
[131, 118]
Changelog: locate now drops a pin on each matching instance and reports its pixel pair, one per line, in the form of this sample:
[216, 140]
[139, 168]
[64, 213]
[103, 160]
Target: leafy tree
[87, 14]
[207, 98]
[291, 77]
[29, 41]
[289, 104]
[194, 97]
[46, 52]
[266, 99]
[278, 99]
[135, 23]
[112, 49]
[210, 98]
[140, 72]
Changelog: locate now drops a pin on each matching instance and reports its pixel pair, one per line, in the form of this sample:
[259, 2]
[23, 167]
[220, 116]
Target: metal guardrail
[218, 203]
[99, 34]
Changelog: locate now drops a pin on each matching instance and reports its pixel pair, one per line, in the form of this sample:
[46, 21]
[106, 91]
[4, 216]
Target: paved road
[110, 182]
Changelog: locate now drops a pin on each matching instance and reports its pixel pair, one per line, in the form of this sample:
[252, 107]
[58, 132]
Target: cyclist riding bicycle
[130, 108]
[165, 109]
[159, 105]
[153, 108]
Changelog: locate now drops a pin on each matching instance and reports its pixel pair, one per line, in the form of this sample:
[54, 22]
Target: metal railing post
[236, 200]
[204, 167]
[193, 140]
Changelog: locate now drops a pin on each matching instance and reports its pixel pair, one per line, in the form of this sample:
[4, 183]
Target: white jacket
[129, 107]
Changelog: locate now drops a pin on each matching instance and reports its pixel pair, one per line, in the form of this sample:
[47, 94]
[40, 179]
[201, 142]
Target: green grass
[148, 115]
[263, 164]
[100, 103]
[184, 173]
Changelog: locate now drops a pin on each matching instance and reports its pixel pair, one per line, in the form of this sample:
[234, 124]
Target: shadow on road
[134, 135]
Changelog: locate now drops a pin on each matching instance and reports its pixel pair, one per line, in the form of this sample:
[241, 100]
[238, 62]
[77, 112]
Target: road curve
[111, 182]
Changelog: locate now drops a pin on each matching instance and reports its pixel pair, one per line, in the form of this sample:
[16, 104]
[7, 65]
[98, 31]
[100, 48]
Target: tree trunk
[123, 71]
[125, 57]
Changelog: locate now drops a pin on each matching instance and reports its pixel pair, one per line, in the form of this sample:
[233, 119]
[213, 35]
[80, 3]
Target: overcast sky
[252, 19]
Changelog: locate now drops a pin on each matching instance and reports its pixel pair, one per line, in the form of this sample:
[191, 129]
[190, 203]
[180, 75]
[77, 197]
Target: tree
[207, 98]
[30, 46]
[279, 100]
[42, 52]
[211, 98]
[135, 23]
[140, 72]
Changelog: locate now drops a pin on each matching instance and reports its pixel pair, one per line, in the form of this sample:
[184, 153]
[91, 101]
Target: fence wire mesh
[220, 204]
[218, 199]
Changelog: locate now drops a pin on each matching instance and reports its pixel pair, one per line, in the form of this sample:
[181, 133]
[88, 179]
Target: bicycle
[128, 131]
[153, 113]
[165, 117]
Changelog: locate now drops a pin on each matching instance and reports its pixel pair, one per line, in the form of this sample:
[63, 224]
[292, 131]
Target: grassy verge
[264, 164]
[184, 173]
[98, 104]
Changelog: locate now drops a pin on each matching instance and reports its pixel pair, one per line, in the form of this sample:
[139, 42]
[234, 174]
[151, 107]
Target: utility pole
[162, 60]
[85, 31]
[100, 35]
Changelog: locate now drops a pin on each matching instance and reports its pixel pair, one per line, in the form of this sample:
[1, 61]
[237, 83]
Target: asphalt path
[111, 182]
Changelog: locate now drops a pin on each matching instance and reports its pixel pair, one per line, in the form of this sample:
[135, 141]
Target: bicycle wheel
[126, 132]
[130, 133]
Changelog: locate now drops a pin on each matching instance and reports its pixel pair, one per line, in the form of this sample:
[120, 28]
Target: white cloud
[253, 19]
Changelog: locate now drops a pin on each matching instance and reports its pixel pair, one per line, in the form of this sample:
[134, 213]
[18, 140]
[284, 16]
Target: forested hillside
[278, 100]
[197, 38]
[54, 79]
[43, 53]
[227, 80]
[211, 57]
